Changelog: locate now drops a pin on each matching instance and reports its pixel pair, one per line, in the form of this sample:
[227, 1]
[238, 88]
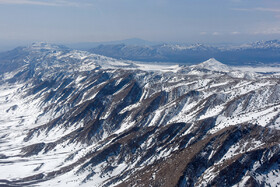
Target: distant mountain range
[262, 52]
[130, 41]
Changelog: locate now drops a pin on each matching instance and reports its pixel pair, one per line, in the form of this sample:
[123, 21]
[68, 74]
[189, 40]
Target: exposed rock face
[73, 118]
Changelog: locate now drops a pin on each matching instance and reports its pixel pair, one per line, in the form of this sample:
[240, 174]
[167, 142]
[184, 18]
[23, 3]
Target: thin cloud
[268, 31]
[268, 9]
[43, 3]
[216, 33]
[257, 9]
[235, 33]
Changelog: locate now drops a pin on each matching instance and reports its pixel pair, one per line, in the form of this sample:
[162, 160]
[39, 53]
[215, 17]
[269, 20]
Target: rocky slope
[73, 118]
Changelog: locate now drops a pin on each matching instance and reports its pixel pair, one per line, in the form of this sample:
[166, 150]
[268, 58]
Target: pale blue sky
[191, 21]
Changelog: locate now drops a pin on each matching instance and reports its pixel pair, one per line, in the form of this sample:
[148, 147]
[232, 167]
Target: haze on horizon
[189, 21]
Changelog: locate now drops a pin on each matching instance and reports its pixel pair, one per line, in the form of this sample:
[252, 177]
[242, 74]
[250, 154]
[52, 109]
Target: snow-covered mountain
[214, 65]
[70, 118]
[261, 45]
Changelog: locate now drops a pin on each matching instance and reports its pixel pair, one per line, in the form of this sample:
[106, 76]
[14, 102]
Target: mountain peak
[214, 65]
[212, 61]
